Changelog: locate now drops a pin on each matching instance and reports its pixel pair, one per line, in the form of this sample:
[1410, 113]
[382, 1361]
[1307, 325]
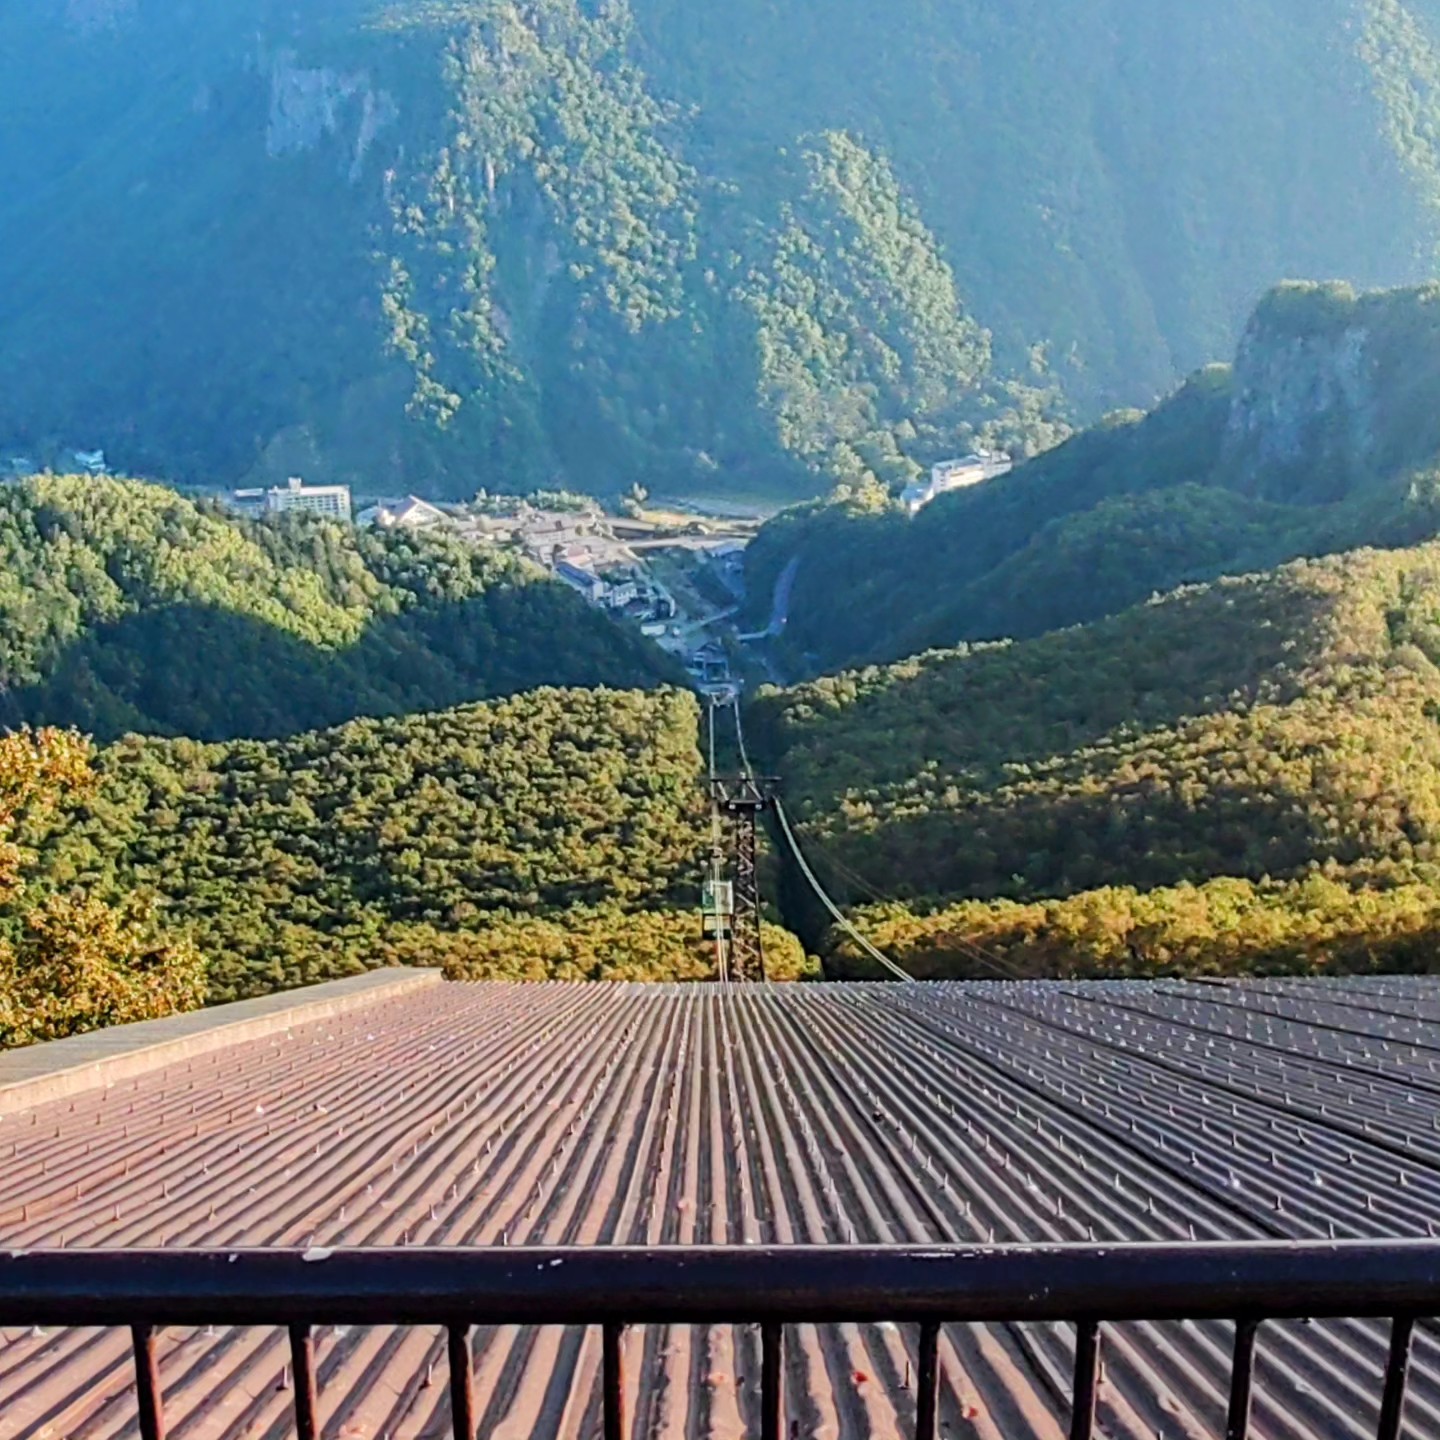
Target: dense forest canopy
[430, 246]
[1322, 436]
[126, 607]
[1243, 774]
[449, 246]
[556, 834]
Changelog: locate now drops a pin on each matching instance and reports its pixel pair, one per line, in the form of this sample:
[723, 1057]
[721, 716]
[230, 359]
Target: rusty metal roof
[592, 1114]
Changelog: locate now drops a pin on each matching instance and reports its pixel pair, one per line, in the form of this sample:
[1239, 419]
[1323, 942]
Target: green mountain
[1242, 775]
[1324, 435]
[556, 834]
[435, 244]
[125, 607]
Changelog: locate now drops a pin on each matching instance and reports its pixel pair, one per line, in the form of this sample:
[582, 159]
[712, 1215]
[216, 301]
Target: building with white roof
[960, 474]
[412, 513]
[329, 500]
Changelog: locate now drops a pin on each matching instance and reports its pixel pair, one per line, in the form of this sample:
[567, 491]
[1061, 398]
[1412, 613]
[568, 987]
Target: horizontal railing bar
[679, 1286]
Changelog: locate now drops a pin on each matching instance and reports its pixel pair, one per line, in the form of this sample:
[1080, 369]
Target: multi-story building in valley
[295, 494]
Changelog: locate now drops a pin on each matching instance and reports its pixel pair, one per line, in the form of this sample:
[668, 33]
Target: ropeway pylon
[741, 800]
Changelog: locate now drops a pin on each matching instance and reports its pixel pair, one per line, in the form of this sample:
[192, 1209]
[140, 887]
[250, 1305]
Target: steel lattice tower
[742, 800]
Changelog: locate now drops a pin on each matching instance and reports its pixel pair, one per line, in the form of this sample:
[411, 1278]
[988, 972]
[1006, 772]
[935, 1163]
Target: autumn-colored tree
[72, 962]
[34, 766]
[81, 965]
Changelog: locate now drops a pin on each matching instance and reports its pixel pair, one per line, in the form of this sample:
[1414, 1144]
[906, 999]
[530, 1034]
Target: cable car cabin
[718, 905]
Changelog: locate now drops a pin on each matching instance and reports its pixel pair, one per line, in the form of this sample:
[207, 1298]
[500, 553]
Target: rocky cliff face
[1304, 397]
[1330, 391]
[309, 105]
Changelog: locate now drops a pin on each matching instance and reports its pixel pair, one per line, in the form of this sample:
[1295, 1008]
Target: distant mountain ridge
[432, 246]
[1323, 436]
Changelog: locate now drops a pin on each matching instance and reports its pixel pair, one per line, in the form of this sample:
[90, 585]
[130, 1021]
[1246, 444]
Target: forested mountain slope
[1244, 773]
[1324, 435]
[557, 834]
[435, 245]
[125, 607]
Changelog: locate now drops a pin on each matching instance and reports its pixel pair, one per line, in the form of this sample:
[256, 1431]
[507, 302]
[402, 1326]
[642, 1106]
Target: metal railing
[1087, 1285]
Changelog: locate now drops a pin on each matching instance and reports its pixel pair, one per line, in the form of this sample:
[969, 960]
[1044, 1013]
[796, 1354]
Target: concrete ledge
[61, 1068]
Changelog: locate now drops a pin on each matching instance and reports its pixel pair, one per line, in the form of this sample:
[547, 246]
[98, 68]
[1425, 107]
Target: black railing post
[927, 1379]
[1397, 1368]
[462, 1382]
[1087, 1380]
[307, 1399]
[613, 1381]
[1242, 1381]
[772, 1397]
[147, 1383]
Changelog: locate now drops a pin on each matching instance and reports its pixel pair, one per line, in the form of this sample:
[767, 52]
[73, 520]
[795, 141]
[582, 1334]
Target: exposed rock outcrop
[310, 105]
[1329, 390]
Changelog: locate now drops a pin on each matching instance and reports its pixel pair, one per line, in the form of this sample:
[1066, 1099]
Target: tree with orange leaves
[72, 962]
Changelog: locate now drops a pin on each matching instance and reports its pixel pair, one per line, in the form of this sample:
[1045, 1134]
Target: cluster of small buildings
[709, 666]
[71, 462]
[580, 549]
[411, 513]
[629, 591]
[555, 537]
[414, 514]
[579, 546]
[961, 474]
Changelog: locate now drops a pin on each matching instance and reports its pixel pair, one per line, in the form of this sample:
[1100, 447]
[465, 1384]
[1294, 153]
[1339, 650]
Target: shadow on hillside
[1055, 846]
[991, 717]
[210, 674]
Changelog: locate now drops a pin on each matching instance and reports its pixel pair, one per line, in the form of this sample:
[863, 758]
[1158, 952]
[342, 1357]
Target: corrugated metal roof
[578, 1114]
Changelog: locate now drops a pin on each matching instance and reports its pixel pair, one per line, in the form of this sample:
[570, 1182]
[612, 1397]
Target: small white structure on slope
[411, 514]
[961, 474]
[90, 462]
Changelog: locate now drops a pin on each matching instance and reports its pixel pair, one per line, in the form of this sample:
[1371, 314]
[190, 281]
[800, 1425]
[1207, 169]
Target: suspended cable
[839, 915]
[740, 737]
[840, 918]
[976, 952]
[988, 958]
